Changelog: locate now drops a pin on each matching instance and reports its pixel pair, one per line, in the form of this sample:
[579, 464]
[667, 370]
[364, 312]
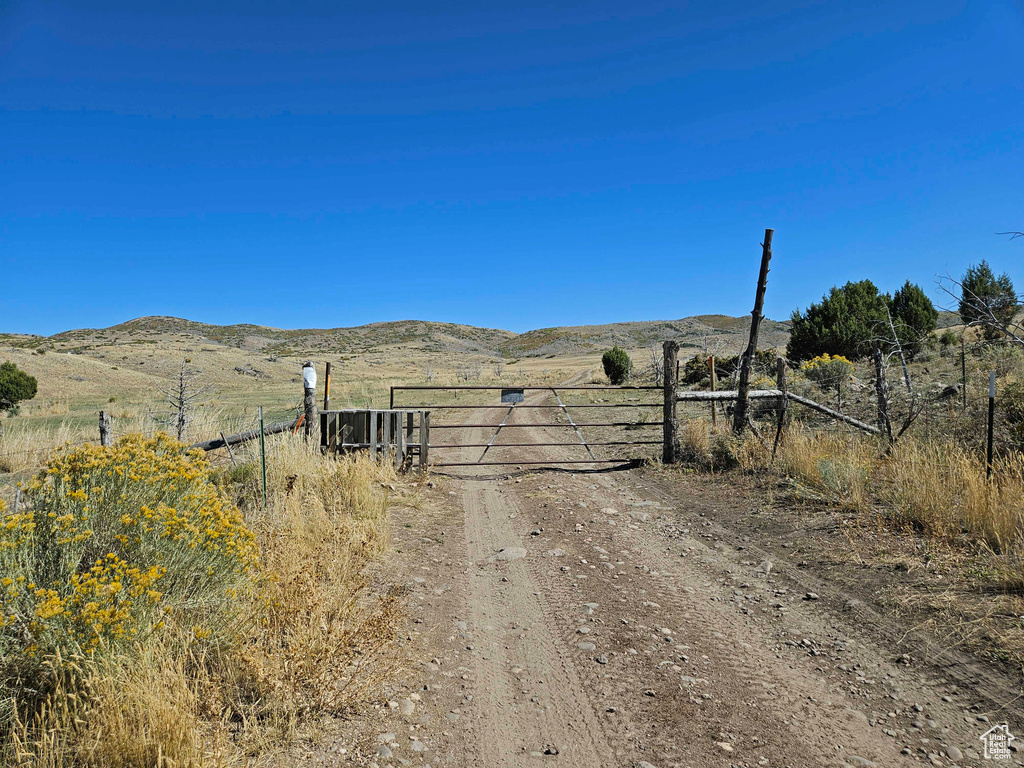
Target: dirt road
[612, 619]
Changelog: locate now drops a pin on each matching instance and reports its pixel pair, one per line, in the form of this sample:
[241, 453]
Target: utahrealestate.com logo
[997, 742]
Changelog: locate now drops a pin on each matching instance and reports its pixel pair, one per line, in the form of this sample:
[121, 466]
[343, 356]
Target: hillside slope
[427, 336]
[719, 333]
[715, 333]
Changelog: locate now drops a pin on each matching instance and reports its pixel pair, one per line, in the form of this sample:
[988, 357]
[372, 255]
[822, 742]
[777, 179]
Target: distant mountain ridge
[717, 333]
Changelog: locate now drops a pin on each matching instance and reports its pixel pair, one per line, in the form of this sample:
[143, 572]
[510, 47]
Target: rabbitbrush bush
[828, 371]
[146, 623]
[116, 544]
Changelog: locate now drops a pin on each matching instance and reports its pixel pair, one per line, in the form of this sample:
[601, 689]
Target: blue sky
[506, 165]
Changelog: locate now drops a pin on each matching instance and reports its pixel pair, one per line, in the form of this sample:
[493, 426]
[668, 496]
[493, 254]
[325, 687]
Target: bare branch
[985, 313]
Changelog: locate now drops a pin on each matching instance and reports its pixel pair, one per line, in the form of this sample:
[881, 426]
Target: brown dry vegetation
[312, 639]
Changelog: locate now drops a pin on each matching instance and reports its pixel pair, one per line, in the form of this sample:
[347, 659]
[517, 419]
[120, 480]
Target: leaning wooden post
[670, 446]
[739, 420]
[104, 428]
[309, 398]
[780, 383]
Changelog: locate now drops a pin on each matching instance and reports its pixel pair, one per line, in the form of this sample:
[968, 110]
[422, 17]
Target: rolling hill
[719, 333]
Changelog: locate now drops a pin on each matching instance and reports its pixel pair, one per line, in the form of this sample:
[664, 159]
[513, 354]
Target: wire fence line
[17, 460]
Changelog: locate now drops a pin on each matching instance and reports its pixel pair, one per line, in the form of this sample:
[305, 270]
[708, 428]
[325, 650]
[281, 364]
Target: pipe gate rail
[513, 398]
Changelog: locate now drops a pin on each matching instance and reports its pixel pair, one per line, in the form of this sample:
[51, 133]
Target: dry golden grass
[714, 449]
[313, 640]
[25, 443]
[943, 490]
[323, 638]
[24, 447]
[150, 709]
[940, 489]
[834, 467]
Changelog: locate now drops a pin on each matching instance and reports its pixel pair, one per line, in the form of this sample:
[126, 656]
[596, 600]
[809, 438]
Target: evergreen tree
[984, 296]
[617, 365]
[15, 386]
[914, 317]
[842, 324]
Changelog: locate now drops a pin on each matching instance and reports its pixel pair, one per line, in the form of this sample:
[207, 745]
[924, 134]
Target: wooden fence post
[670, 443]
[104, 428]
[424, 440]
[327, 387]
[399, 442]
[743, 387]
[309, 398]
[374, 415]
[714, 386]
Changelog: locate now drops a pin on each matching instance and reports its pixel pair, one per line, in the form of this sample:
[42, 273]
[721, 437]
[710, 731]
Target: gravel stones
[507, 554]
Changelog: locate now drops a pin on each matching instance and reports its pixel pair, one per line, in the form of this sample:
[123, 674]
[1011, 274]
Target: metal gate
[512, 399]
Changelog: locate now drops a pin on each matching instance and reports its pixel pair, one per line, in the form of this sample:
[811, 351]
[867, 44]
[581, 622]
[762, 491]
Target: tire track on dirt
[529, 700]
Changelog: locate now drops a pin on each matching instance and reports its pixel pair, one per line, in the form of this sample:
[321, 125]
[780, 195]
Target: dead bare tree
[909, 408]
[428, 374]
[499, 368]
[655, 365]
[181, 397]
[469, 372]
[712, 347]
[899, 351]
[985, 314]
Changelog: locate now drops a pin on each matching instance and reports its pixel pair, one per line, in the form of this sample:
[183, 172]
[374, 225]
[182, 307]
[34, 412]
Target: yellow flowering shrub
[116, 543]
[828, 371]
